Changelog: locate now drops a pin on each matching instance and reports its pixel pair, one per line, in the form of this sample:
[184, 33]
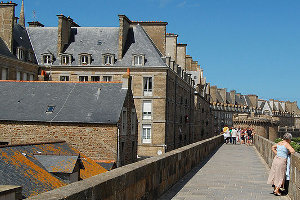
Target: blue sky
[252, 46]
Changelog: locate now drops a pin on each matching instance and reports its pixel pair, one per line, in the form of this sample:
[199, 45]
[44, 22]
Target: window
[64, 78]
[50, 109]
[95, 78]
[83, 78]
[4, 74]
[18, 76]
[138, 60]
[47, 59]
[30, 56]
[124, 122]
[147, 86]
[107, 78]
[20, 54]
[84, 60]
[108, 59]
[133, 121]
[146, 137]
[147, 108]
[66, 59]
[31, 77]
[24, 77]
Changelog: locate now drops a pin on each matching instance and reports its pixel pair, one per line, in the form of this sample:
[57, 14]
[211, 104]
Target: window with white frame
[108, 59]
[64, 78]
[146, 134]
[18, 76]
[4, 75]
[147, 84]
[66, 59]
[47, 59]
[84, 59]
[83, 78]
[107, 78]
[20, 53]
[124, 121]
[147, 109]
[138, 60]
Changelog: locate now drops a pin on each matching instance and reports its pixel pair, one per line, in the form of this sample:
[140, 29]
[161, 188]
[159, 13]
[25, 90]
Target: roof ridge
[35, 143]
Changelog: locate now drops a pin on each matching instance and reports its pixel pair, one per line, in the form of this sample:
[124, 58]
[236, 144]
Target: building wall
[171, 47]
[13, 66]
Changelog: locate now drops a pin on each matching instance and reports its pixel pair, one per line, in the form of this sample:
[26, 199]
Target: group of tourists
[233, 135]
[280, 170]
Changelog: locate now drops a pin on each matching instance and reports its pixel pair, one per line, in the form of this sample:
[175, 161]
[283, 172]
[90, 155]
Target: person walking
[278, 169]
[234, 135]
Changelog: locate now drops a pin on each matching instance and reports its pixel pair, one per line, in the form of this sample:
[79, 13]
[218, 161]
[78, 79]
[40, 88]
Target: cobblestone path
[233, 172]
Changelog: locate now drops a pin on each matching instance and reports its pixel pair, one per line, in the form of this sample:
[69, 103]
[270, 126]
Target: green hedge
[294, 143]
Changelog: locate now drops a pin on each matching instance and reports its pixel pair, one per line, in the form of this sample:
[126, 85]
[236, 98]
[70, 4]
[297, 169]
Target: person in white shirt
[226, 136]
[234, 135]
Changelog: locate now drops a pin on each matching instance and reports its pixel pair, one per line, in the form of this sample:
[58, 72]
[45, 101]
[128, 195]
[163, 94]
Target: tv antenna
[34, 15]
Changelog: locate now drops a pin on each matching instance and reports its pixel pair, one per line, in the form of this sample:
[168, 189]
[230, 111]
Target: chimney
[22, 15]
[223, 92]
[171, 46]
[126, 80]
[232, 96]
[64, 32]
[156, 30]
[254, 100]
[16, 20]
[181, 55]
[124, 25]
[213, 93]
[188, 62]
[35, 24]
[7, 19]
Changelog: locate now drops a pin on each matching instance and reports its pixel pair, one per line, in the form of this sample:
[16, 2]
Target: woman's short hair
[287, 136]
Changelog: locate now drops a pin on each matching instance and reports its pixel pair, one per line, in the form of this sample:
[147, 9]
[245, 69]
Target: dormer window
[66, 59]
[30, 56]
[47, 59]
[20, 53]
[85, 59]
[138, 60]
[108, 59]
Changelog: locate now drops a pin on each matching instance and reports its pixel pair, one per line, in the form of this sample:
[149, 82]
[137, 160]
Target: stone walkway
[233, 172]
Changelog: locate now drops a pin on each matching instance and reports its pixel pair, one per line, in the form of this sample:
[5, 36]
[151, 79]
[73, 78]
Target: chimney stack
[22, 15]
[35, 24]
[124, 25]
[7, 19]
[171, 46]
[126, 80]
[64, 32]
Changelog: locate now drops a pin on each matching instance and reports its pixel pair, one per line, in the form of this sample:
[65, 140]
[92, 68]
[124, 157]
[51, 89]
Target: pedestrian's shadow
[169, 194]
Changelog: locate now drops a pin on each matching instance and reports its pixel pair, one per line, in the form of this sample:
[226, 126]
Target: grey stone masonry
[233, 172]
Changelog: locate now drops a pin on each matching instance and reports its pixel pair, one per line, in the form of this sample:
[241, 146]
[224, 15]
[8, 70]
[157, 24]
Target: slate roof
[58, 163]
[96, 41]
[72, 102]
[19, 166]
[20, 39]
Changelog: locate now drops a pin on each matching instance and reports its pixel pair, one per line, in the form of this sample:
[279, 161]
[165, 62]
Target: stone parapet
[147, 179]
[264, 147]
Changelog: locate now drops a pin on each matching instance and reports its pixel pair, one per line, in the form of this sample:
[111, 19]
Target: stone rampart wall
[264, 147]
[146, 179]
